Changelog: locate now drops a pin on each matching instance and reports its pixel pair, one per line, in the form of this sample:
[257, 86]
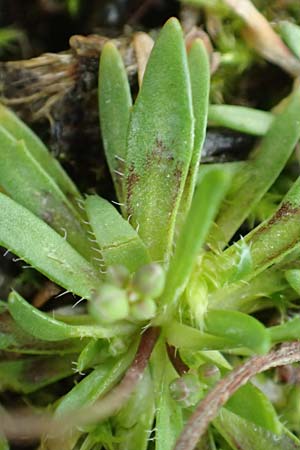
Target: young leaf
[169, 420]
[252, 404]
[134, 422]
[268, 243]
[290, 33]
[97, 383]
[45, 327]
[200, 80]
[114, 107]
[244, 435]
[242, 329]
[204, 207]
[160, 142]
[256, 177]
[39, 245]
[118, 241]
[26, 181]
[20, 131]
[14, 339]
[240, 118]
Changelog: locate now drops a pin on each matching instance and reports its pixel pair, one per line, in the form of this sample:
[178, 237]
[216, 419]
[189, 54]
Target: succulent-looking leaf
[268, 243]
[39, 245]
[43, 326]
[134, 422]
[253, 405]
[243, 434]
[160, 142]
[204, 207]
[243, 329]
[119, 242]
[240, 118]
[169, 420]
[114, 106]
[97, 383]
[200, 80]
[256, 177]
[290, 32]
[28, 183]
[20, 131]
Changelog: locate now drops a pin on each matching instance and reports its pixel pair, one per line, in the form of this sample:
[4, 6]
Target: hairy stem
[208, 408]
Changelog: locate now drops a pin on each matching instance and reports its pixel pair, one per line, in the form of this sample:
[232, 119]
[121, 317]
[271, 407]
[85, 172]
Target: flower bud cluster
[126, 296]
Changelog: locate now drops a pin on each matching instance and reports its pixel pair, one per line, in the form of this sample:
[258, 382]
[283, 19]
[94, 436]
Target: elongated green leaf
[43, 326]
[30, 374]
[14, 339]
[160, 142]
[241, 328]
[244, 435]
[39, 245]
[290, 33]
[200, 79]
[115, 103]
[134, 422]
[288, 331]
[268, 243]
[251, 404]
[25, 180]
[266, 163]
[183, 336]
[118, 241]
[240, 118]
[97, 383]
[192, 237]
[168, 420]
[20, 131]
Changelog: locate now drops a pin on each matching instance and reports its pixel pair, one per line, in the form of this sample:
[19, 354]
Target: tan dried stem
[263, 38]
[209, 407]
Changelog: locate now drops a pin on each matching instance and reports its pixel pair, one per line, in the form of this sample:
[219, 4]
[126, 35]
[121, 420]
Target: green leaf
[97, 383]
[242, 329]
[183, 336]
[20, 131]
[169, 420]
[240, 118]
[118, 241]
[39, 245]
[28, 183]
[290, 33]
[244, 435]
[133, 424]
[14, 339]
[114, 107]
[45, 327]
[252, 404]
[160, 142]
[268, 243]
[200, 80]
[256, 177]
[27, 375]
[204, 207]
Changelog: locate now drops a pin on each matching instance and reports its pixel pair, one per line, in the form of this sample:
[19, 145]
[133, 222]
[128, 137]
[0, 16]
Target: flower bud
[186, 390]
[149, 280]
[109, 304]
[143, 310]
[118, 275]
[209, 373]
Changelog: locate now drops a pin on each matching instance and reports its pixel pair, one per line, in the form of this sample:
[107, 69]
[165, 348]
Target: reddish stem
[209, 407]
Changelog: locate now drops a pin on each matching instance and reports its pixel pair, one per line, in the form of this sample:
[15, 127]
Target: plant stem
[208, 409]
